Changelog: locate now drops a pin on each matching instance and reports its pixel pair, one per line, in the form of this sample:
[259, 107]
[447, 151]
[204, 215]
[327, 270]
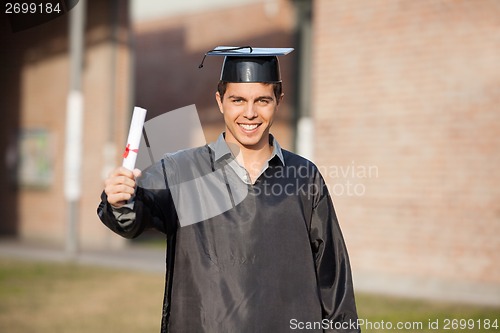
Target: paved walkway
[131, 257]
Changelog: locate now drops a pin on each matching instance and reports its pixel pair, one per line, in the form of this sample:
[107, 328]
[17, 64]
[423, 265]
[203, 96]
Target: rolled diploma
[134, 138]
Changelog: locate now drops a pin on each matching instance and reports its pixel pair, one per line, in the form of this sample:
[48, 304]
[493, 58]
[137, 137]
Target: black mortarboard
[249, 64]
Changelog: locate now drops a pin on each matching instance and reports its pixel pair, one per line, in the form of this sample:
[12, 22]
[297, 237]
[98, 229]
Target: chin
[251, 143]
[250, 140]
[247, 142]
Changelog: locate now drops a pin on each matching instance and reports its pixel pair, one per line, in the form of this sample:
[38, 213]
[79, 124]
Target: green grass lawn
[51, 298]
[425, 316]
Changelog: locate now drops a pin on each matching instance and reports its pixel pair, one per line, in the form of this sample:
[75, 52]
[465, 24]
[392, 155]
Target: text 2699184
[32, 7]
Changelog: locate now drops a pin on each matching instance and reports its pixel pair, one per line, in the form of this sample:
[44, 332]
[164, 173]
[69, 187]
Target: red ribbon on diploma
[127, 150]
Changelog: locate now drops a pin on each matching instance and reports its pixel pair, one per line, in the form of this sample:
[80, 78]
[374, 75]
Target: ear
[280, 99]
[219, 102]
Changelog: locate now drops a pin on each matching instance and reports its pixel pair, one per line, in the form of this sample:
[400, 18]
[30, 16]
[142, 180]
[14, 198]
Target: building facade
[405, 102]
[35, 85]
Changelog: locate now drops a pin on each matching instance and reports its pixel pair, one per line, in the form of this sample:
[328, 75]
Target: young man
[253, 242]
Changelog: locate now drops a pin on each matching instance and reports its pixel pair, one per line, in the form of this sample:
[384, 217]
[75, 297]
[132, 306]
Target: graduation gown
[274, 261]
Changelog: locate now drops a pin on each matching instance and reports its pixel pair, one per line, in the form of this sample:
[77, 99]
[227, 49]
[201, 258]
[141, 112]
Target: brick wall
[38, 64]
[410, 90]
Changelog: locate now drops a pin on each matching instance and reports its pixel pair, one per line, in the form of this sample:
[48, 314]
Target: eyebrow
[267, 97]
[235, 97]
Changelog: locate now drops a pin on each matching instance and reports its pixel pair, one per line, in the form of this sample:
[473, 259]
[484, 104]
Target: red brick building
[35, 75]
[405, 104]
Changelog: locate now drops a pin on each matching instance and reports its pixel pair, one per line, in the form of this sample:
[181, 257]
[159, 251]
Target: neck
[252, 158]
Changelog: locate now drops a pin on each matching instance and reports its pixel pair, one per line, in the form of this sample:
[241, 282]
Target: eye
[237, 100]
[263, 101]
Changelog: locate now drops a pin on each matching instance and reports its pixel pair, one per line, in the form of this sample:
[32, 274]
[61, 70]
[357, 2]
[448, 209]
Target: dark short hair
[277, 87]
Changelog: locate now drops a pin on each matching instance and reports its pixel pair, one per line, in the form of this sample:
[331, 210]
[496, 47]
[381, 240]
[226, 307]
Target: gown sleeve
[152, 207]
[333, 269]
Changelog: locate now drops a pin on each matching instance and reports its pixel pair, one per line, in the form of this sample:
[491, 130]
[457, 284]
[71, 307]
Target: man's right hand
[120, 186]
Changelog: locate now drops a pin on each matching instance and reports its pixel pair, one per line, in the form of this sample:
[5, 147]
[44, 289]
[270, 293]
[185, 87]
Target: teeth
[249, 127]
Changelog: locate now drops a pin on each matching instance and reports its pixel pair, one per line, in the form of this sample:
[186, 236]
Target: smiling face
[248, 110]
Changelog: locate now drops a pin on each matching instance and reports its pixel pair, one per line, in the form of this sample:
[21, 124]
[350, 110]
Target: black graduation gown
[275, 262]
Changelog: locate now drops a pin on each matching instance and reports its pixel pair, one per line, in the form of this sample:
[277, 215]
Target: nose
[250, 111]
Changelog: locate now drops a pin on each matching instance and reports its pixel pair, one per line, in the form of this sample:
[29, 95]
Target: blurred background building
[35, 82]
[410, 90]
[396, 101]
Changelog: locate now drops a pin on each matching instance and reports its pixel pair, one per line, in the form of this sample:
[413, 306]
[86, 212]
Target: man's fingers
[118, 199]
[122, 180]
[137, 173]
[121, 171]
[118, 177]
[118, 182]
[120, 185]
[118, 194]
[119, 188]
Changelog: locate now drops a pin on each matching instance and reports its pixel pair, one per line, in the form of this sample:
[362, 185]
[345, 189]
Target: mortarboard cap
[249, 64]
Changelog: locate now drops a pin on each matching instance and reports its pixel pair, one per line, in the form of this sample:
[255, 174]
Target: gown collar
[221, 149]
